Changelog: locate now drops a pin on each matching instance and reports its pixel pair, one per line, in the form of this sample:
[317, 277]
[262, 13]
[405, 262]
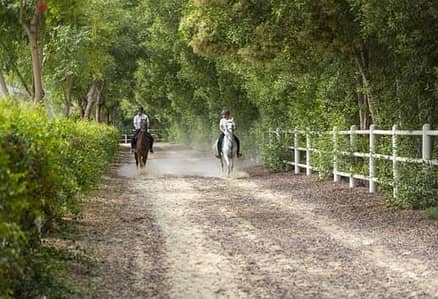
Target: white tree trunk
[91, 98]
[3, 86]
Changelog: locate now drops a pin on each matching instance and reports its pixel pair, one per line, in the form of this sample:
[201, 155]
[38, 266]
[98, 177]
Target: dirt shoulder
[179, 230]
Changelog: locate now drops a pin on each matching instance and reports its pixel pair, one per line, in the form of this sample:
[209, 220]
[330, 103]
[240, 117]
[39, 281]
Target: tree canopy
[289, 63]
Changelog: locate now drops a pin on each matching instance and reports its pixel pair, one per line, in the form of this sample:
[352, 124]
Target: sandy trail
[180, 230]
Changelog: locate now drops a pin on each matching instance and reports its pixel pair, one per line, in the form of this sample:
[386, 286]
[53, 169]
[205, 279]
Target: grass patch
[432, 213]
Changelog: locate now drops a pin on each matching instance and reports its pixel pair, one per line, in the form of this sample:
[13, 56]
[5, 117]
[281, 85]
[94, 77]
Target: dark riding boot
[151, 141]
[219, 145]
[239, 154]
[134, 140]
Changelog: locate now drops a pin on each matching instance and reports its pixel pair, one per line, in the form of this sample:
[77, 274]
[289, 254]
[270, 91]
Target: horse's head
[143, 125]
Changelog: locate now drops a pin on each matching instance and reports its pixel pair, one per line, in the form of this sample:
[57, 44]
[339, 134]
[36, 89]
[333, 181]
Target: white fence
[426, 133]
[127, 136]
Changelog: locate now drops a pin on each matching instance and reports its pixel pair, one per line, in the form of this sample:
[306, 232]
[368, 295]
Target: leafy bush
[44, 165]
[322, 160]
[417, 188]
[432, 213]
[274, 150]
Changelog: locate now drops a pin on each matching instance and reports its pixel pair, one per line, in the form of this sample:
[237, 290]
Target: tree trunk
[67, 102]
[99, 103]
[82, 103]
[91, 99]
[32, 34]
[366, 108]
[36, 68]
[3, 86]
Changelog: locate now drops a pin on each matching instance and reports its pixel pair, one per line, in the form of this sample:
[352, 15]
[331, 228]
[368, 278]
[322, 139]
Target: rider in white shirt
[138, 118]
[137, 125]
[222, 123]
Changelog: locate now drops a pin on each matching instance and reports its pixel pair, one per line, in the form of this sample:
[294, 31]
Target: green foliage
[44, 165]
[323, 158]
[274, 150]
[418, 187]
[44, 273]
[432, 213]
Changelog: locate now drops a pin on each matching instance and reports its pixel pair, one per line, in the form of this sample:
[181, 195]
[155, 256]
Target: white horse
[229, 149]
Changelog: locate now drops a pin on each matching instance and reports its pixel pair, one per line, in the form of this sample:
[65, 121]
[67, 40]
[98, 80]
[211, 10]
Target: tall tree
[32, 25]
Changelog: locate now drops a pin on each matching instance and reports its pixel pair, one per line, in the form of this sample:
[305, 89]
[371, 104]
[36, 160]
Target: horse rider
[222, 123]
[137, 125]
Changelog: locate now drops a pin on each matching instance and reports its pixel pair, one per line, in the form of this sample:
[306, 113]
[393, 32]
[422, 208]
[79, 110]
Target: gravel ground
[178, 229]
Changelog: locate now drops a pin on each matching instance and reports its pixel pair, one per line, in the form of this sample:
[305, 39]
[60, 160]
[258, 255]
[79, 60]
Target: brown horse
[142, 146]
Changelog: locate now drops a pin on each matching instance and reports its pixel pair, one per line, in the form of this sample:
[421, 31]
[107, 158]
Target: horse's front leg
[145, 158]
[227, 164]
[231, 167]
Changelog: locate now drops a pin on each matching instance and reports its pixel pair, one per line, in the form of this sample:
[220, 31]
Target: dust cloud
[178, 160]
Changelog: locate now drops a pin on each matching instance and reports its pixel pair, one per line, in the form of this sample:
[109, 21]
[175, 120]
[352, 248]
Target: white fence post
[296, 152]
[395, 172]
[308, 153]
[335, 156]
[352, 150]
[427, 143]
[371, 166]
[126, 138]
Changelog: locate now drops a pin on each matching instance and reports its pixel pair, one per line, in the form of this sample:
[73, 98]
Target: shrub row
[44, 166]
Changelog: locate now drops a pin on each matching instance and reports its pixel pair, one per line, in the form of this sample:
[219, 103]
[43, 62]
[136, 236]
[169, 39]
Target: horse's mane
[142, 141]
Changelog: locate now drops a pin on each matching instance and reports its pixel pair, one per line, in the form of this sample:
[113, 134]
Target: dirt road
[180, 230]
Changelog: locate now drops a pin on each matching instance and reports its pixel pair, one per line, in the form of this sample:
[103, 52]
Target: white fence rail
[426, 133]
[127, 136]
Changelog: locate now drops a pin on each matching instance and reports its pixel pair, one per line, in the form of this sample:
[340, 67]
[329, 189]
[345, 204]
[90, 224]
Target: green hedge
[44, 166]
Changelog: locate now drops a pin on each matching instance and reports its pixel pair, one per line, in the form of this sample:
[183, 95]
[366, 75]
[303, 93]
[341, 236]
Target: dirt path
[179, 230]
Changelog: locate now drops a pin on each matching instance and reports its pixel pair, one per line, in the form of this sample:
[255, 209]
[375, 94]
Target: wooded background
[286, 64]
[272, 63]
